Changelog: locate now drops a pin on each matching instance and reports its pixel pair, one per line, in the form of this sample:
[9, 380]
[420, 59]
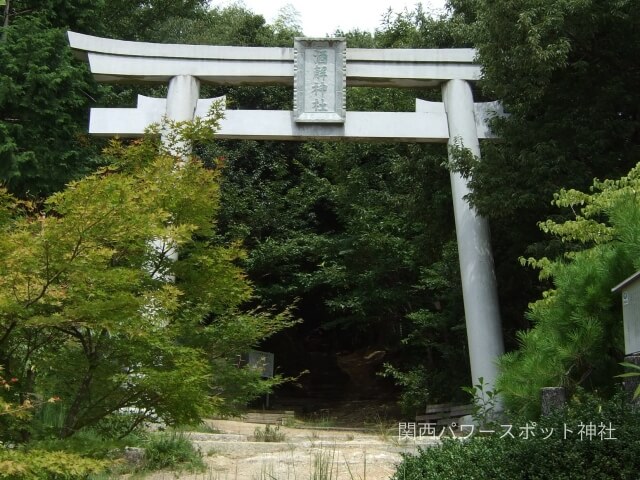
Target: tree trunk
[71, 418]
[92, 352]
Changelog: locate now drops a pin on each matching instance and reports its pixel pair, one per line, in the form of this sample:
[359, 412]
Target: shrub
[574, 457]
[88, 442]
[43, 465]
[171, 450]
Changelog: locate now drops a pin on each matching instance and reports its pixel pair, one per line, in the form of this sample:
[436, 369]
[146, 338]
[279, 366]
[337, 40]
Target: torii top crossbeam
[130, 62]
[118, 60]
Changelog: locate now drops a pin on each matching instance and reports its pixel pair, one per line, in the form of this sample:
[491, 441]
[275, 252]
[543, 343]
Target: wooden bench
[444, 413]
[269, 417]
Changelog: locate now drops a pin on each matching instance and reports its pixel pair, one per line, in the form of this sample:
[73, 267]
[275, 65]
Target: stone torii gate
[320, 69]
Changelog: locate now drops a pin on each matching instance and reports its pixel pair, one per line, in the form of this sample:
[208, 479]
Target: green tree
[44, 97]
[146, 20]
[45, 94]
[86, 308]
[229, 25]
[565, 71]
[577, 335]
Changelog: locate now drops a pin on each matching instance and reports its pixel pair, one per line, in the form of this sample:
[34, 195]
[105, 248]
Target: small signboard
[263, 361]
[630, 290]
[320, 80]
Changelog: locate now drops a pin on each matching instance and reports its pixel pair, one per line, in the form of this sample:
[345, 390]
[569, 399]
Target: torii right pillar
[479, 286]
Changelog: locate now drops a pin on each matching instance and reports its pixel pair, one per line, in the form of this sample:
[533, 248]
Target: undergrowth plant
[269, 434]
[324, 465]
[171, 451]
[486, 402]
[22, 464]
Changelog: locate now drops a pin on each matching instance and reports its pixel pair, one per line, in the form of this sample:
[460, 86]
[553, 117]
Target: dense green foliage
[577, 335]
[565, 71]
[44, 96]
[97, 453]
[602, 453]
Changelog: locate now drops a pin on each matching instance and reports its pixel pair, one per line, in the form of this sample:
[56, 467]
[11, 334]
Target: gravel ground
[304, 454]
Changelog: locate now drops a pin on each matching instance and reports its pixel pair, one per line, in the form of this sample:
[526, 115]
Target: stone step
[239, 449]
[269, 417]
[216, 437]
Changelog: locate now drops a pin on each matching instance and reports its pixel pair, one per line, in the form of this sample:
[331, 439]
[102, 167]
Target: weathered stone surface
[350, 454]
[320, 80]
[118, 60]
[553, 398]
[216, 437]
[134, 455]
[631, 383]
[629, 290]
[427, 124]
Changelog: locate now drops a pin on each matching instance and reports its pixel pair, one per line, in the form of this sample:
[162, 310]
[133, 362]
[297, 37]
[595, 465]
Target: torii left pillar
[479, 286]
[182, 99]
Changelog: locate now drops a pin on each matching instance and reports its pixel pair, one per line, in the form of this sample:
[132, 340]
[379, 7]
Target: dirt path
[304, 454]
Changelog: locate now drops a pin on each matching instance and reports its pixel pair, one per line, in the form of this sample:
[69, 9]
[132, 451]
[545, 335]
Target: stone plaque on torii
[320, 80]
[320, 70]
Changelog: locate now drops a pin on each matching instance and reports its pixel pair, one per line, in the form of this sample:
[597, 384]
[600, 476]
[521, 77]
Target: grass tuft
[268, 434]
[172, 451]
